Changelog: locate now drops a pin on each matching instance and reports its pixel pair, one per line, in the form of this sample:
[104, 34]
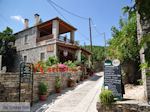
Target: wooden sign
[50, 48]
[112, 79]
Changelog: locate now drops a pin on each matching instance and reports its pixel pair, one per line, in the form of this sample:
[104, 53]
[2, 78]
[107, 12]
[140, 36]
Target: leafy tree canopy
[124, 44]
[98, 53]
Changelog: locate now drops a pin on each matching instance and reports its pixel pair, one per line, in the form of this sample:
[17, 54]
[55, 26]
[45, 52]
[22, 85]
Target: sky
[104, 14]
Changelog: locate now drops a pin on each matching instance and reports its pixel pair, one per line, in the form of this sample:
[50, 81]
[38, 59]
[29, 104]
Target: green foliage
[143, 65]
[148, 74]
[7, 49]
[124, 45]
[57, 82]
[51, 61]
[7, 35]
[106, 97]
[143, 7]
[70, 64]
[42, 88]
[140, 81]
[98, 51]
[145, 43]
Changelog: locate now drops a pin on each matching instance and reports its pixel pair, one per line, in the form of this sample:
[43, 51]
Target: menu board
[112, 80]
[25, 72]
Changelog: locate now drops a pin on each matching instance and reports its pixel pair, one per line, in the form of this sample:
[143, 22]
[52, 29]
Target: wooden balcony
[66, 40]
[47, 37]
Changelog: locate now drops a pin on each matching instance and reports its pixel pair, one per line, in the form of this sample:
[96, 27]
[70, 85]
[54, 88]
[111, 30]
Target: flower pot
[86, 77]
[58, 90]
[70, 83]
[81, 78]
[42, 97]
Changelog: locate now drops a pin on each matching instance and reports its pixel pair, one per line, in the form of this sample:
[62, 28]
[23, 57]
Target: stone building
[46, 39]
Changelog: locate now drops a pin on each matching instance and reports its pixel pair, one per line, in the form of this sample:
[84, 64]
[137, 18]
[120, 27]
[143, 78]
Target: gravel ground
[134, 92]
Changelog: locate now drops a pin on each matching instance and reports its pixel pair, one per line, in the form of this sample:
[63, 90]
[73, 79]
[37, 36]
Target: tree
[98, 51]
[7, 50]
[124, 45]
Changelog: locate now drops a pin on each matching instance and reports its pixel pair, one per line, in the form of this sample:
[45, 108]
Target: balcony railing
[44, 38]
[60, 38]
[64, 39]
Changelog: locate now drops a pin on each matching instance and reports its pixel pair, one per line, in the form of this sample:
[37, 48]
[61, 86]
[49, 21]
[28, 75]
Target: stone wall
[148, 88]
[123, 107]
[9, 85]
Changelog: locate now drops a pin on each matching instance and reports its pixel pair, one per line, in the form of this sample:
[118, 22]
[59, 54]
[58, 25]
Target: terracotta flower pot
[81, 78]
[58, 90]
[70, 83]
[42, 97]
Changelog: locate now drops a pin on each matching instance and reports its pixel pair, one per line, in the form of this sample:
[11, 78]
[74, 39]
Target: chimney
[26, 23]
[37, 19]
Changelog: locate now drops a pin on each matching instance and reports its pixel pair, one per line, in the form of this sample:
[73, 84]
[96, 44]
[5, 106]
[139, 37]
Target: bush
[57, 82]
[106, 97]
[51, 61]
[71, 64]
[140, 81]
[42, 88]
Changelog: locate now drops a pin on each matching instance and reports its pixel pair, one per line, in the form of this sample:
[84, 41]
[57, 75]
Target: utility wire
[69, 12]
[57, 10]
[53, 5]
[96, 30]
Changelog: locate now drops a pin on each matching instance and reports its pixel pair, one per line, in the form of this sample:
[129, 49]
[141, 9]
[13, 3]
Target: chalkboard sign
[26, 70]
[112, 79]
[26, 76]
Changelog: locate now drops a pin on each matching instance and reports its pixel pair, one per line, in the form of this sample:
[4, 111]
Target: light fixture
[65, 53]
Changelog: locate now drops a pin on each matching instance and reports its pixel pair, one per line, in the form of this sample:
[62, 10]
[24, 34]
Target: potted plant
[70, 82]
[86, 76]
[42, 91]
[58, 85]
[82, 77]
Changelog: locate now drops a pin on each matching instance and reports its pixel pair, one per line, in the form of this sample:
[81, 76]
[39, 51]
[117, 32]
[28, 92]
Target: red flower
[41, 70]
[49, 70]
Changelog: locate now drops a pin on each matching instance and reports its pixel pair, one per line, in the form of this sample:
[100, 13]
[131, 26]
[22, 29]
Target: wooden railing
[44, 38]
[60, 38]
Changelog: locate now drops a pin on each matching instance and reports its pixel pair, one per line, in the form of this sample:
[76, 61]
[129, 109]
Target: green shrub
[51, 61]
[140, 81]
[57, 82]
[42, 88]
[106, 97]
[70, 64]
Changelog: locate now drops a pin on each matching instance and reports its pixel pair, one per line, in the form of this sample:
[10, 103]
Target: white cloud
[17, 18]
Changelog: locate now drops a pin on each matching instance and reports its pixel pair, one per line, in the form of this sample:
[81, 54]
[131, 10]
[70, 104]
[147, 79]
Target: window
[26, 39]
[25, 58]
[42, 56]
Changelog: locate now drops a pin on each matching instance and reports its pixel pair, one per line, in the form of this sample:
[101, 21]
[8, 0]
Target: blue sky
[104, 13]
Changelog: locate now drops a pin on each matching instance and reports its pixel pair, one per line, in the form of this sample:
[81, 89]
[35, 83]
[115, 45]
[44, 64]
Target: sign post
[112, 78]
[26, 76]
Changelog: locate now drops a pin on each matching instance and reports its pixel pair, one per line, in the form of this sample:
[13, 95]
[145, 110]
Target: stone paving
[82, 98]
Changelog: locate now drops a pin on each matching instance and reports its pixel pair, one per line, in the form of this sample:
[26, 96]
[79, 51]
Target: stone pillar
[78, 53]
[72, 36]
[55, 28]
[55, 50]
[89, 61]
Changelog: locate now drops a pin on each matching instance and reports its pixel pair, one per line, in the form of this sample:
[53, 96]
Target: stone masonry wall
[123, 107]
[9, 86]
